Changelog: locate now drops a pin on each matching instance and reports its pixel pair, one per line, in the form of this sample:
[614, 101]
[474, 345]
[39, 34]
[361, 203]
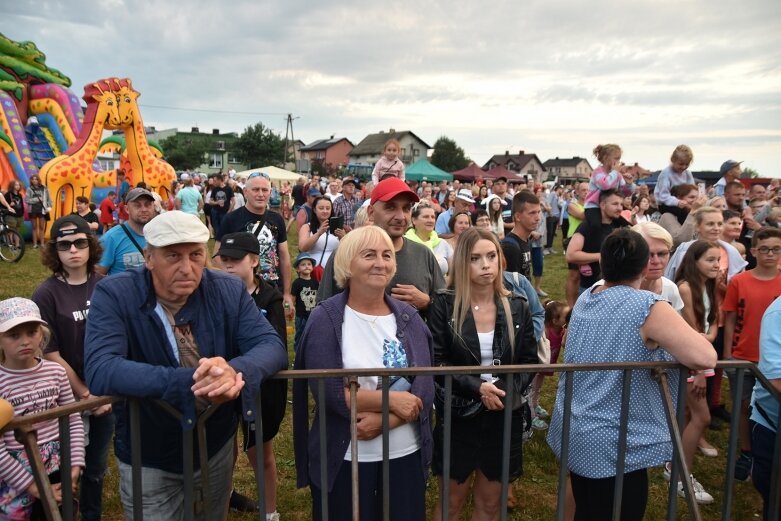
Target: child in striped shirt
[31, 384]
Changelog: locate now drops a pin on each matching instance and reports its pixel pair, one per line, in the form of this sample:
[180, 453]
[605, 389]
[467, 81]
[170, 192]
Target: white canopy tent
[275, 173]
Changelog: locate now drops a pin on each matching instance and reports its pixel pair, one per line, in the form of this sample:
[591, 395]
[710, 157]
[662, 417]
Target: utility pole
[288, 142]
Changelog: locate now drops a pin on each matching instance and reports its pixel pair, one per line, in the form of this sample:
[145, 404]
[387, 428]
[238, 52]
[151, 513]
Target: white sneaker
[273, 516]
[700, 495]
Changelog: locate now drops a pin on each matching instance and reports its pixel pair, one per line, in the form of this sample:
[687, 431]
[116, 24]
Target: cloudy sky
[544, 76]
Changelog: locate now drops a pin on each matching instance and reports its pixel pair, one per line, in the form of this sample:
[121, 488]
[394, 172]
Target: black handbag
[460, 407]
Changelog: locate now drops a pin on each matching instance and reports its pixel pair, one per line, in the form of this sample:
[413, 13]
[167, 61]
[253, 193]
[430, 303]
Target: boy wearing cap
[238, 256]
[123, 245]
[730, 171]
[304, 290]
[179, 332]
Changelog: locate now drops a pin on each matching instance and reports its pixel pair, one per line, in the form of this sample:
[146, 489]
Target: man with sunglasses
[123, 245]
[270, 229]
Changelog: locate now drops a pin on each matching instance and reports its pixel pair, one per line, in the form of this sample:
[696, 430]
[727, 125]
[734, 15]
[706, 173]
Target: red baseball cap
[390, 188]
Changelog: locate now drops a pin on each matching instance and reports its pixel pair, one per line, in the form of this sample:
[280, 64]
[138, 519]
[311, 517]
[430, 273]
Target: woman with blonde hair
[359, 328]
[475, 321]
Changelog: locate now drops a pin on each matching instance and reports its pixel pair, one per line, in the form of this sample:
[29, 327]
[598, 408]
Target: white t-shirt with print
[370, 341]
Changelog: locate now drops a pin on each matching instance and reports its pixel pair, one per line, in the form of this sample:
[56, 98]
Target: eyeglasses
[659, 254]
[764, 250]
[264, 175]
[80, 244]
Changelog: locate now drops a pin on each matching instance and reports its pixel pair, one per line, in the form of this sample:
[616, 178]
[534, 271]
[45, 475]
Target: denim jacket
[127, 353]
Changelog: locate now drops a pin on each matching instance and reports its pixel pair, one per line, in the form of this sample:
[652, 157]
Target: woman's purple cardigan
[321, 348]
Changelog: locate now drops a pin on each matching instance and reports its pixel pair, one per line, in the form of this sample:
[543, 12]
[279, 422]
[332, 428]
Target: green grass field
[536, 490]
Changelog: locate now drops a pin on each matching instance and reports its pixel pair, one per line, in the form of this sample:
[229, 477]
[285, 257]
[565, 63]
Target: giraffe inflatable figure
[70, 175]
[144, 163]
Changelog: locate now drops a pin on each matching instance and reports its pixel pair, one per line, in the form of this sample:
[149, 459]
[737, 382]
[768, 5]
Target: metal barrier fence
[24, 431]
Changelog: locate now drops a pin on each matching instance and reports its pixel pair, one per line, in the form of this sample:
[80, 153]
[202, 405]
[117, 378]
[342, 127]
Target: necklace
[370, 322]
[477, 307]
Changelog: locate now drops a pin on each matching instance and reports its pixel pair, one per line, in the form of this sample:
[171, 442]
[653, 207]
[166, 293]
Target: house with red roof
[523, 164]
[333, 151]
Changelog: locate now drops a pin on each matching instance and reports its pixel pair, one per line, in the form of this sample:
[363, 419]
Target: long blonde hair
[460, 279]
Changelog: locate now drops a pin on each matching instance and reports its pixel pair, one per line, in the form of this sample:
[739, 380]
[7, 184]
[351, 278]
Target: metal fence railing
[25, 433]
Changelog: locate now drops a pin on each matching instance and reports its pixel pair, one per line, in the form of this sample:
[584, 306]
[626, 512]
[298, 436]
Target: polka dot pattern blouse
[605, 327]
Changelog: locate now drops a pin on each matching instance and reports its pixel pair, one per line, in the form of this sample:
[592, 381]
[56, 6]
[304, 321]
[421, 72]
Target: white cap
[175, 227]
[465, 194]
[17, 310]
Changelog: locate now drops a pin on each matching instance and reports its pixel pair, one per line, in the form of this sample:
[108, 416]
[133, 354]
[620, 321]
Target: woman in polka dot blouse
[618, 322]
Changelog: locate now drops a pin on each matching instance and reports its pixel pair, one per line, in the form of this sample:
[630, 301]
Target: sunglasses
[80, 244]
[264, 175]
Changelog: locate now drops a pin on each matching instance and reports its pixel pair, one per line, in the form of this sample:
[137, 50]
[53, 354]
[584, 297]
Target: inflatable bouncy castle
[45, 131]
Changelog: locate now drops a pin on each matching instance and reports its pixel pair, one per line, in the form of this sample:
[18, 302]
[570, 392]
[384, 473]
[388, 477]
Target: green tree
[749, 173]
[448, 155]
[184, 152]
[260, 146]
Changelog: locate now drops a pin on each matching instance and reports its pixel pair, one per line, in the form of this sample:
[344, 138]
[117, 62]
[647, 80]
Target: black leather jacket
[452, 350]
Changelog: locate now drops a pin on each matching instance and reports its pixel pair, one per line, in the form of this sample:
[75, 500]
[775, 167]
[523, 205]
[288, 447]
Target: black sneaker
[715, 423]
[241, 503]
[743, 466]
[722, 413]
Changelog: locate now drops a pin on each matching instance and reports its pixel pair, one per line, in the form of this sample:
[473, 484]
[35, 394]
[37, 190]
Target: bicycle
[11, 242]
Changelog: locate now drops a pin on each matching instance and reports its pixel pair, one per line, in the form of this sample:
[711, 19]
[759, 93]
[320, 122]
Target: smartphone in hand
[334, 223]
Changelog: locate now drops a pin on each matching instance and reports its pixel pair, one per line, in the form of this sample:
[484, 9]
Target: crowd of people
[394, 274]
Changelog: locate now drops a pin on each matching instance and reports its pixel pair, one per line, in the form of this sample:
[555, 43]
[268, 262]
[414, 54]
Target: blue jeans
[762, 442]
[300, 324]
[101, 431]
[217, 218]
[537, 261]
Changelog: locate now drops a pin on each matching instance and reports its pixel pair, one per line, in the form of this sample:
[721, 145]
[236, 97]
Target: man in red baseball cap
[418, 275]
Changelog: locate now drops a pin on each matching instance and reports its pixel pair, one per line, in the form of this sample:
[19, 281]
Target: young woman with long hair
[469, 323]
[697, 278]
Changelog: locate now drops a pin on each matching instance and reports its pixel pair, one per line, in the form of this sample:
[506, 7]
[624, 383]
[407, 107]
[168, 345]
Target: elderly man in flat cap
[176, 331]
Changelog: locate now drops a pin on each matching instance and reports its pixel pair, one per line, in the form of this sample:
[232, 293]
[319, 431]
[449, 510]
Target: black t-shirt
[518, 255]
[305, 292]
[507, 210]
[593, 237]
[269, 228]
[14, 200]
[269, 301]
[65, 307]
[90, 217]
[223, 193]
[299, 197]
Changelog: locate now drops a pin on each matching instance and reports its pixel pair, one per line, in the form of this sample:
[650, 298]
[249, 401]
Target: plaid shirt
[345, 208]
